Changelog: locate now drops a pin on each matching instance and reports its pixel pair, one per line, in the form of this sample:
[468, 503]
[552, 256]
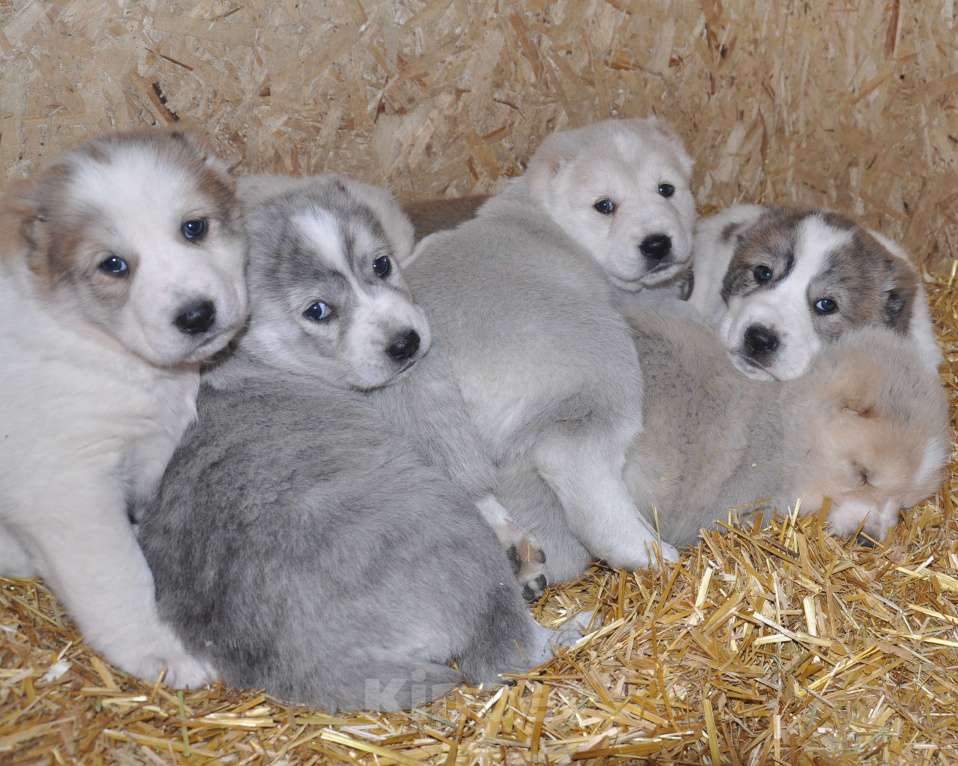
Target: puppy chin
[371, 381]
[661, 274]
[210, 346]
[741, 363]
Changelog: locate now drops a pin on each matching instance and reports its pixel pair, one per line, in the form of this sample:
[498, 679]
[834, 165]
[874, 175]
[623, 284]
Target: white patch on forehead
[133, 181]
[322, 230]
[814, 240]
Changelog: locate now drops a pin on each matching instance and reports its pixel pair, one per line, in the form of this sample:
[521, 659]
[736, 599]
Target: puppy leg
[585, 470]
[90, 559]
[14, 560]
[527, 558]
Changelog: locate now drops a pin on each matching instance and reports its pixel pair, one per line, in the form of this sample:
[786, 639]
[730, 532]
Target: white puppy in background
[525, 298]
[121, 269]
[778, 284]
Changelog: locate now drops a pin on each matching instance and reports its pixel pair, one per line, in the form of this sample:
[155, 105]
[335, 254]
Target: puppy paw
[529, 566]
[166, 653]
[670, 554]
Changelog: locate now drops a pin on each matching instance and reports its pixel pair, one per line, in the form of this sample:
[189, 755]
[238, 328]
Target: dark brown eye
[825, 306]
[195, 229]
[605, 206]
[318, 312]
[115, 266]
[666, 190]
[762, 274]
[382, 266]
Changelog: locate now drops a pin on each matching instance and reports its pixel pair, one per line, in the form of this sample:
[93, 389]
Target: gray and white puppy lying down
[300, 541]
[427, 407]
[867, 426]
[778, 284]
[523, 295]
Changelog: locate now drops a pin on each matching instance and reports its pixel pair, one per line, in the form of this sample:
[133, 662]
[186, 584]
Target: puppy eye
[318, 312]
[666, 190]
[114, 266]
[605, 206]
[762, 274]
[825, 306]
[383, 266]
[195, 229]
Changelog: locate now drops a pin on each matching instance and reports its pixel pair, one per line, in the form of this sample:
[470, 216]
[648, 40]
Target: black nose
[196, 318]
[760, 340]
[656, 246]
[403, 345]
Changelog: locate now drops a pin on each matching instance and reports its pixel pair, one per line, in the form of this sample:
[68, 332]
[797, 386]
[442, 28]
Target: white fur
[784, 308]
[624, 160]
[90, 417]
[377, 312]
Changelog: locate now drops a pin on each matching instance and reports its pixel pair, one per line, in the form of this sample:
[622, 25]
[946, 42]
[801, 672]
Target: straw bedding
[777, 645]
[781, 644]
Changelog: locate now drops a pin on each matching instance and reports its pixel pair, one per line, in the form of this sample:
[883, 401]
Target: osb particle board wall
[846, 104]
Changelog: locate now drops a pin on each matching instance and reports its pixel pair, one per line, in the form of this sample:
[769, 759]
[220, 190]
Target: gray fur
[714, 440]
[545, 363]
[307, 537]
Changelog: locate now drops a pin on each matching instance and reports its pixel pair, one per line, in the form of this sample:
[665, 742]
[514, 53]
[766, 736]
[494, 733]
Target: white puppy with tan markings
[778, 284]
[121, 269]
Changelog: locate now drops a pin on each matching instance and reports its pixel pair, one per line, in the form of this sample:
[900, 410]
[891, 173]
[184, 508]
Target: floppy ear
[674, 140]
[548, 160]
[26, 206]
[898, 294]
[396, 224]
[200, 146]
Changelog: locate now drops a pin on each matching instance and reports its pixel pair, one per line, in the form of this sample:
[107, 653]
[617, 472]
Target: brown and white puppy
[866, 426]
[779, 284]
[121, 270]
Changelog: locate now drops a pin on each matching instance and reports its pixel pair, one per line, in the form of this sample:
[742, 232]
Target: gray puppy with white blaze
[299, 540]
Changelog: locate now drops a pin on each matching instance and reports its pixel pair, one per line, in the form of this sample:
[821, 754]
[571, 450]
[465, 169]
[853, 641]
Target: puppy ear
[547, 162]
[26, 207]
[898, 294]
[673, 139]
[201, 147]
[396, 224]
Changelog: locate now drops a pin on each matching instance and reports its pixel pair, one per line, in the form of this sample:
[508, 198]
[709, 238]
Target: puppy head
[877, 424]
[621, 189]
[138, 235]
[327, 296]
[798, 280]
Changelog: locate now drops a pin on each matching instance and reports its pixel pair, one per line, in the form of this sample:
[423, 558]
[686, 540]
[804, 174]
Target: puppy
[427, 407]
[301, 542]
[523, 297]
[779, 284]
[121, 269]
[866, 426]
